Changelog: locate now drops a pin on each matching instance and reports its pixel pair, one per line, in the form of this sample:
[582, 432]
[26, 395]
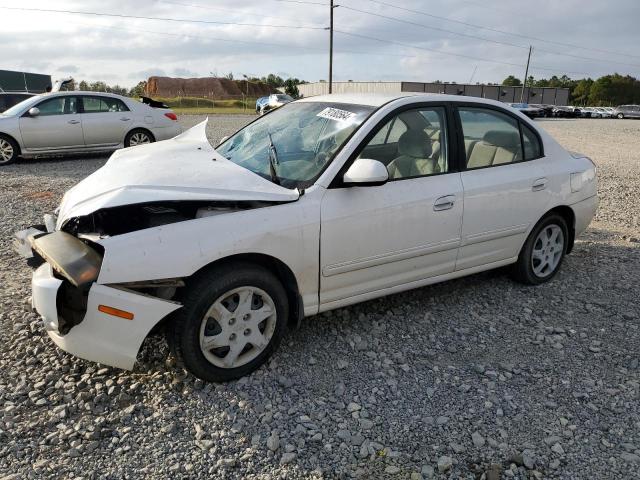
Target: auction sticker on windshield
[336, 114]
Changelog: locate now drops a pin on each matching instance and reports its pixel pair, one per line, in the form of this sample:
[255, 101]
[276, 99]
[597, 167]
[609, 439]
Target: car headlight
[70, 257]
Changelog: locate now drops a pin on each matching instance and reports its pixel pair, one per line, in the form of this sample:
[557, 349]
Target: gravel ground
[478, 376]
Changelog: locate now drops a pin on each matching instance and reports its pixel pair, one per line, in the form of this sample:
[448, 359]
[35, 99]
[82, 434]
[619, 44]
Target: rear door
[57, 127]
[505, 188]
[105, 120]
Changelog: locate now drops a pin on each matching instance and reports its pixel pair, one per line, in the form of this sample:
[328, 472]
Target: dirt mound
[221, 88]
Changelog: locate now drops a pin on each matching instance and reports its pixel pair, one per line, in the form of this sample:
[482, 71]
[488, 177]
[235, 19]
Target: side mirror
[223, 139]
[34, 111]
[366, 172]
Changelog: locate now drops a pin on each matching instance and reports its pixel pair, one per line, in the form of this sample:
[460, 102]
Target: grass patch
[212, 110]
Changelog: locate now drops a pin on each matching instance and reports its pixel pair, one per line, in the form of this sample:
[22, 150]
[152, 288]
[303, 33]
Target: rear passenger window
[532, 148]
[490, 137]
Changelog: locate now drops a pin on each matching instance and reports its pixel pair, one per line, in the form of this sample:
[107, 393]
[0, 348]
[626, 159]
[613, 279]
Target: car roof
[82, 92]
[379, 99]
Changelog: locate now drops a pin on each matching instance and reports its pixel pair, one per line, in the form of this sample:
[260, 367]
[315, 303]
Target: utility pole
[526, 75]
[331, 7]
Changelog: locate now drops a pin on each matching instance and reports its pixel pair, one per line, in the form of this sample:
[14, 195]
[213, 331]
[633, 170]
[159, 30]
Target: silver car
[74, 122]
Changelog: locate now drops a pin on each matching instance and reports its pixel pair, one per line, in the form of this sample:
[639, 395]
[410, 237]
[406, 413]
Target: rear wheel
[543, 252]
[233, 318]
[9, 150]
[138, 136]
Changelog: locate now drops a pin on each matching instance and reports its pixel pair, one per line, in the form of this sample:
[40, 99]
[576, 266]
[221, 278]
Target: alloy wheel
[547, 251]
[6, 151]
[237, 327]
[139, 138]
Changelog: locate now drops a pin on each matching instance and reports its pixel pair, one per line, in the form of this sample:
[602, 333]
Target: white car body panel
[83, 132]
[149, 172]
[361, 249]
[343, 245]
[100, 337]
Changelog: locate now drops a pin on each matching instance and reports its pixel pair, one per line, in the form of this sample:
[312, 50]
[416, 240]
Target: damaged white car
[323, 203]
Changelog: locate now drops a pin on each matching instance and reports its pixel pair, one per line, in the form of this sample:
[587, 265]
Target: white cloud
[127, 50]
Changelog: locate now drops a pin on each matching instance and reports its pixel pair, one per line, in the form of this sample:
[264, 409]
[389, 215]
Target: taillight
[171, 115]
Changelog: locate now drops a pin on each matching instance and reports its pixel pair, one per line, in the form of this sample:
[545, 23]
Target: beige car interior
[415, 150]
[497, 147]
[419, 150]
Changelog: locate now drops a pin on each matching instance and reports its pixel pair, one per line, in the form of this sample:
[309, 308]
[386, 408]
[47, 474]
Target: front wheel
[138, 136]
[9, 150]
[543, 252]
[233, 318]
[620, 116]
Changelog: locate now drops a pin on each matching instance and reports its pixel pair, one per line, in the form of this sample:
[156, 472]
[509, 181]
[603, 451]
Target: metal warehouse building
[551, 95]
[11, 81]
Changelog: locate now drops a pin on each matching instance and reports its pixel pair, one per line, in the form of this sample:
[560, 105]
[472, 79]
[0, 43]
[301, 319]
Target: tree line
[609, 90]
[290, 85]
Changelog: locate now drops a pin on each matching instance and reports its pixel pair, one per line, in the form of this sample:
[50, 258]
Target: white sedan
[78, 122]
[326, 202]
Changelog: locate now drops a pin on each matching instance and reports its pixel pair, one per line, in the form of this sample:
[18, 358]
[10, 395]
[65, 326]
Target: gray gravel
[474, 378]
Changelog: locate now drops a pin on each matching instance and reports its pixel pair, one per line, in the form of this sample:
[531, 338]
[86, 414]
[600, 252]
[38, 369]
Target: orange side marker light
[116, 312]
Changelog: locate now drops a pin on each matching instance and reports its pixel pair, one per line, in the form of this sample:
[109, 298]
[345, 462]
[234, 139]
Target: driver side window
[411, 144]
[63, 105]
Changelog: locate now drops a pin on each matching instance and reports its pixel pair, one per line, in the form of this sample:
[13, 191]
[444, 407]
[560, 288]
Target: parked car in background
[275, 101]
[590, 112]
[564, 112]
[9, 99]
[260, 103]
[547, 110]
[529, 110]
[610, 110]
[627, 111]
[73, 122]
[225, 248]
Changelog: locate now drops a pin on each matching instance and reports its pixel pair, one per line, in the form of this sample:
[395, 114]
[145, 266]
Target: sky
[578, 37]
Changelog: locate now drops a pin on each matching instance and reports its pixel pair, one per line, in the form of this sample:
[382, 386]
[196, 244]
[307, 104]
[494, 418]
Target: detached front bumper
[99, 337]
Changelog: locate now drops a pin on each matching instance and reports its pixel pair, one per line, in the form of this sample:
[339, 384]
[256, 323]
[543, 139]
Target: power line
[484, 39]
[303, 2]
[220, 9]
[246, 42]
[428, 27]
[528, 37]
[535, 67]
[165, 19]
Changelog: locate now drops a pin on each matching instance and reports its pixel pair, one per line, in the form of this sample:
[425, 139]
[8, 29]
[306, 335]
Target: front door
[57, 126]
[505, 188]
[379, 238]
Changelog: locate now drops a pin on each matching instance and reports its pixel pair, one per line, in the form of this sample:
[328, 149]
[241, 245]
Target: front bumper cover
[100, 337]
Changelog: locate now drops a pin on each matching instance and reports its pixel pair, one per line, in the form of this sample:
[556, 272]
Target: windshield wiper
[273, 160]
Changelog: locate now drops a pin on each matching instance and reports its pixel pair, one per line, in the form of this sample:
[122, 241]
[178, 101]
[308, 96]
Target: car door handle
[125, 119]
[539, 184]
[444, 203]
[74, 122]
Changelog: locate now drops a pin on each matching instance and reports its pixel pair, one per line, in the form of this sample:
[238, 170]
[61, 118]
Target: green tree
[291, 87]
[511, 81]
[273, 80]
[580, 93]
[138, 90]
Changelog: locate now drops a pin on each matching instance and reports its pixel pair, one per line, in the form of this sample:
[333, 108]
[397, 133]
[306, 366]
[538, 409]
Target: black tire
[523, 271]
[8, 146]
[133, 134]
[200, 294]
[620, 116]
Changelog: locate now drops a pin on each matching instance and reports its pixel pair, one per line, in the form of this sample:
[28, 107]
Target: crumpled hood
[186, 167]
